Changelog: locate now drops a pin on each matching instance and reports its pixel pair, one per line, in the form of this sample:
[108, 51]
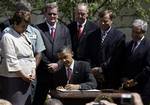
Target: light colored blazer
[17, 54]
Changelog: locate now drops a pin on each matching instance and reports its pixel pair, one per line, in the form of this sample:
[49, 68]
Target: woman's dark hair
[20, 17]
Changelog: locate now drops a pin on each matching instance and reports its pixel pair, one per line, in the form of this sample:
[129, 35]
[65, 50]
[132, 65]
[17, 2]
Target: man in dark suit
[73, 75]
[55, 36]
[137, 69]
[104, 49]
[80, 29]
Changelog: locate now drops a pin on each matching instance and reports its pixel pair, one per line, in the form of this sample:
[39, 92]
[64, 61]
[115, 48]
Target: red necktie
[79, 31]
[53, 33]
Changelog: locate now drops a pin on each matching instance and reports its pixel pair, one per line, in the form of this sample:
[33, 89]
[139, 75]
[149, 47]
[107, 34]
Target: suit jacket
[108, 55]
[78, 45]
[81, 75]
[138, 64]
[62, 38]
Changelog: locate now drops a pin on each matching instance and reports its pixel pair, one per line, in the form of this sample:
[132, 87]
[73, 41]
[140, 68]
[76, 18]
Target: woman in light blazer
[17, 68]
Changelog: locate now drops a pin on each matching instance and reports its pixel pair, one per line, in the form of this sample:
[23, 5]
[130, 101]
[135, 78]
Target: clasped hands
[70, 87]
[27, 77]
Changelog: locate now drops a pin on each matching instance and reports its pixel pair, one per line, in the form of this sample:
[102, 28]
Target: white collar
[106, 30]
[83, 24]
[49, 26]
[139, 41]
[71, 66]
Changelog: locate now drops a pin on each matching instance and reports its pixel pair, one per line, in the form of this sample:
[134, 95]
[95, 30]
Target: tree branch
[100, 7]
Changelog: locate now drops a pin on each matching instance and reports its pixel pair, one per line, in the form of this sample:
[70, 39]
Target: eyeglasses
[52, 14]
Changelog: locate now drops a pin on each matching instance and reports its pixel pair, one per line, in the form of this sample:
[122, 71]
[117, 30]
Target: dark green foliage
[67, 7]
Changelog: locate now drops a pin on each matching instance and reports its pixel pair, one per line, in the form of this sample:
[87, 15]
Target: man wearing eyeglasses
[55, 36]
[80, 29]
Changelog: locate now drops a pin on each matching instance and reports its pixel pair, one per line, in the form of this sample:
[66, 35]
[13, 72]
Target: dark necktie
[53, 33]
[79, 31]
[134, 47]
[69, 73]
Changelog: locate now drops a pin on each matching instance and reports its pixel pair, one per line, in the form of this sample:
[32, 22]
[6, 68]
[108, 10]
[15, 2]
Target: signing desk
[80, 97]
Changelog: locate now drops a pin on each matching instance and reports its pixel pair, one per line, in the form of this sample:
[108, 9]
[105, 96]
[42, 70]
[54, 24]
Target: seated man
[73, 75]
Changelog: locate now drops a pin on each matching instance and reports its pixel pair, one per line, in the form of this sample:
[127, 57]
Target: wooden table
[84, 96]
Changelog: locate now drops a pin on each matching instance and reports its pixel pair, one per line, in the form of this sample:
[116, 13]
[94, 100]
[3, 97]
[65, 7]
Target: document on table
[65, 90]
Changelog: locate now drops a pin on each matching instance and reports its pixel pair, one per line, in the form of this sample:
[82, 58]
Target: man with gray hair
[136, 75]
[80, 29]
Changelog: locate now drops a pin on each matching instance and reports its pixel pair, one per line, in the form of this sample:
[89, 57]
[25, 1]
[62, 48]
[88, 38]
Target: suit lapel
[129, 51]
[138, 50]
[75, 33]
[140, 47]
[57, 32]
[75, 72]
[108, 37]
[84, 32]
[47, 32]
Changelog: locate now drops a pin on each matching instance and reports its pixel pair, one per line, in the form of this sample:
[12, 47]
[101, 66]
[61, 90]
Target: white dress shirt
[71, 67]
[50, 27]
[138, 43]
[83, 25]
